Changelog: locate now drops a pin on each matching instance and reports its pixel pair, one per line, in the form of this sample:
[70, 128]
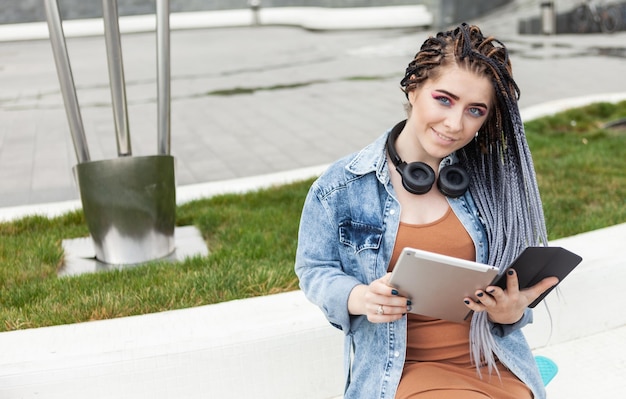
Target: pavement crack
[35, 101]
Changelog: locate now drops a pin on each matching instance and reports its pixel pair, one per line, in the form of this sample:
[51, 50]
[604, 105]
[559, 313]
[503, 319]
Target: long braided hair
[502, 176]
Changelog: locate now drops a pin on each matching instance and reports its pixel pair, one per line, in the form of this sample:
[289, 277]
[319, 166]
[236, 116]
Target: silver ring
[380, 310]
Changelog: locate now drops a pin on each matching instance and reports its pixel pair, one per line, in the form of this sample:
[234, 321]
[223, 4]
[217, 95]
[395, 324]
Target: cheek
[470, 128]
[428, 112]
[473, 125]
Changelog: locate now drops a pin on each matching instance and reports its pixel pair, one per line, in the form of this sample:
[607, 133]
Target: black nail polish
[409, 303]
[510, 272]
[491, 291]
[480, 294]
[466, 302]
[394, 292]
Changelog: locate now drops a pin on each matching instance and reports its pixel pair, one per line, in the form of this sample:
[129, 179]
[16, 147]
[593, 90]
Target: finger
[381, 286]
[484, 299]
[378, 310]
[396, 309]
[387, 294]
[385, 313]
[389, 298]
[512, 283]
[495, 292]
[473, 305]
[536, 290]
[383, 281]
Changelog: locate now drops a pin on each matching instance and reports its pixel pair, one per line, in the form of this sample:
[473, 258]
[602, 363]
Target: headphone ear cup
[417, 177]
[453, 181]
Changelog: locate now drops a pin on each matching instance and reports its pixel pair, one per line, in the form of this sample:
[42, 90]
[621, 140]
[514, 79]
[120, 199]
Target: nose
[454, 121]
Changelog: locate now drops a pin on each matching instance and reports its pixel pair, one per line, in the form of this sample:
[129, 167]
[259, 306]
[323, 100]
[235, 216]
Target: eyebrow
[456, 98]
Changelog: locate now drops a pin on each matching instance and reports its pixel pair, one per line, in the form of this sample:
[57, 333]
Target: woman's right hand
[379, 301]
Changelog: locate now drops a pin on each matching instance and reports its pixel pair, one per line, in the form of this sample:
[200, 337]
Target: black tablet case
[536, 263]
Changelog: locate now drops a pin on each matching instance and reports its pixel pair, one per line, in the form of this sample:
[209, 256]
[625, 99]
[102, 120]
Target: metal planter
[129, 202]
[130, 207]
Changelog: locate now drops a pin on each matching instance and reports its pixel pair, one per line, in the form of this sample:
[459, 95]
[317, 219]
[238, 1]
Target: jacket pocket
[360, 236]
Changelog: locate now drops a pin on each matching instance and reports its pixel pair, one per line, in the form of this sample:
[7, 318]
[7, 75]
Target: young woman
[455, 178]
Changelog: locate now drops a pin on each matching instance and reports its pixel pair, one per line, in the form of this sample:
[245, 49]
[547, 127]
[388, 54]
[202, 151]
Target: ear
[412, 95]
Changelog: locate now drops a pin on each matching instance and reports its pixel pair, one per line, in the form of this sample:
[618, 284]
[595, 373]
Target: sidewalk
[297, 98]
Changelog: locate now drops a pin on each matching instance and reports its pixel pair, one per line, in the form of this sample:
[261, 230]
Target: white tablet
[437, 284]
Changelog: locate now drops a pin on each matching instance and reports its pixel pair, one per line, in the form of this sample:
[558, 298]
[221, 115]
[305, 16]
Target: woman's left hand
[508, 306]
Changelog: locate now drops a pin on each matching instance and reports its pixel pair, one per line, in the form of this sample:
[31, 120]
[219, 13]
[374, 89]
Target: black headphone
[418, 177]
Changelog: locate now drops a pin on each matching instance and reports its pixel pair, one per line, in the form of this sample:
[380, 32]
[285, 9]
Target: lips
[443, 137]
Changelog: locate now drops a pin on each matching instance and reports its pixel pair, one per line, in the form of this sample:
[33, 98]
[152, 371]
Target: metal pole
[66, 80]
[163, 76]
[116, 76]
[255, 7]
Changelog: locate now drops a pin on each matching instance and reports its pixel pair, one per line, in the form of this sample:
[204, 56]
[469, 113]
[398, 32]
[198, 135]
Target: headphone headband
[391, 143]
[419, 177]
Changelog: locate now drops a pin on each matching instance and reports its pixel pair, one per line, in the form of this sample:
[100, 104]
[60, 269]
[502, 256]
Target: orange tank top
[431, 339]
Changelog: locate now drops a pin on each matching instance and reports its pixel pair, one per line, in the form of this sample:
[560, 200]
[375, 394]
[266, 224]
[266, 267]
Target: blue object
[547, 368]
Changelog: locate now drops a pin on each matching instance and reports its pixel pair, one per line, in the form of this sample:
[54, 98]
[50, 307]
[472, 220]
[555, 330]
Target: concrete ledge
[318, 18]
[277, 346]
[556, 106]
[314, 18]
[569, 315]
[584, 328]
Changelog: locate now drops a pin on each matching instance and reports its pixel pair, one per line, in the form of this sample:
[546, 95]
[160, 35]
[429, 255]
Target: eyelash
[444, 100]
[479, 112]
[447, 102]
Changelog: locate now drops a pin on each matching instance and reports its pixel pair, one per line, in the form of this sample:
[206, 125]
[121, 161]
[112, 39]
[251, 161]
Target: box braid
[502, 176]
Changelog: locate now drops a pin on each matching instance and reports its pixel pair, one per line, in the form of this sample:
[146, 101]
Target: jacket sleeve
[502, 330]
[318, 264]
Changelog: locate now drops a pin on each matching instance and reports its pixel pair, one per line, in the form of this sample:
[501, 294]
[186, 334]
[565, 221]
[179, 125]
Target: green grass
[252, 237]
[581, 168]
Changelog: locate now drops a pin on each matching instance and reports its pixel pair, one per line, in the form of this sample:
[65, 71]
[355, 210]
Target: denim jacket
[347, 234]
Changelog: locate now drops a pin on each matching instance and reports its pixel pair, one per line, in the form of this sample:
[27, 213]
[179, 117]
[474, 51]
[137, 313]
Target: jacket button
[396, 354]
[392, 212]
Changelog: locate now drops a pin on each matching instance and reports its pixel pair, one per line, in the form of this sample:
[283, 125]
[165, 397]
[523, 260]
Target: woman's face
[446, 113]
